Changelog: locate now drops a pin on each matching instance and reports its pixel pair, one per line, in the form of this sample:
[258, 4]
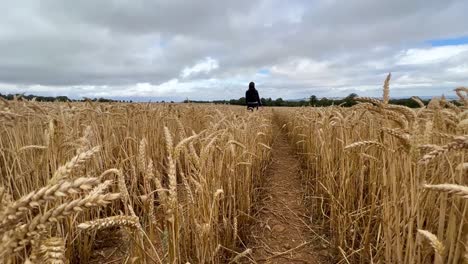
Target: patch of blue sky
[264, 71]
[449, 41]
[163, 43]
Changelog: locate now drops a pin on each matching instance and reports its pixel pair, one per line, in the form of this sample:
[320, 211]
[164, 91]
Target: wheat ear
[182, 144]
[12, 214]
[429, 147]
[52, 251]
[17, 239]
[142, 154]
[456, 144]
[369, 100]
[113, 221]
[404, 138]
[364, 143]
[386, 89]
[76, 162]
[461, 92]
[409, 114]
[438, 246]
[455, 189]
[148, 177]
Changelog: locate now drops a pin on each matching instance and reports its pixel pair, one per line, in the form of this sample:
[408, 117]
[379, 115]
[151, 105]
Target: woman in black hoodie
[251, 97]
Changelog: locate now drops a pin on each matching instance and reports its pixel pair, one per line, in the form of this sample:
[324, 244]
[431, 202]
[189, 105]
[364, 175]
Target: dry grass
[184, 176]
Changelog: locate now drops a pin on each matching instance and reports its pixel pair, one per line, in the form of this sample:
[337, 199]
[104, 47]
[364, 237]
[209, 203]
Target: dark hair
[251, 86]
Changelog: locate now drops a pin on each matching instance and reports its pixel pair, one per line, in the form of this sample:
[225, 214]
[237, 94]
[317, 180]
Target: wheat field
[384, 179]
[178, 183]
[180, 180]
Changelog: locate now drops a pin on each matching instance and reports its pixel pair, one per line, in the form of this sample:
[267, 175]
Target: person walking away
[252, 98]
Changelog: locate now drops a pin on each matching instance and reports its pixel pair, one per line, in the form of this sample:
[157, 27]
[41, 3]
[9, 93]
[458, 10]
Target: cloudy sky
[212, 49]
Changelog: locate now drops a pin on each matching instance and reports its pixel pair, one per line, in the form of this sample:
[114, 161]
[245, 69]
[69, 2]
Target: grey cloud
[145, 16]
[118, 44]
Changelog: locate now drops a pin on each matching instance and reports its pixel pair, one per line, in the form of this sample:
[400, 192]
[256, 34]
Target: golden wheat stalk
[4, 101]
[418, 101]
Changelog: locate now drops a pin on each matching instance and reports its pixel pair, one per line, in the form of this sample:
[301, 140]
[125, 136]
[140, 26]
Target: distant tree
[313, 100]
[242, 101]
[349, 100]
[279, 102]
[324, 102]
[104, 100]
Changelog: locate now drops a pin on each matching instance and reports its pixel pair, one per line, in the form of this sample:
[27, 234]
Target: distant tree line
[312, 101]
[56, 98]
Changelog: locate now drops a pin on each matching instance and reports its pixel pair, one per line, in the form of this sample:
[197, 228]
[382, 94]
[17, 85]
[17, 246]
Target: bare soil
[283, 233]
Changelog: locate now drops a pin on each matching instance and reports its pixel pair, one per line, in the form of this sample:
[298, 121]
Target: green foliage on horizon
[52, 98]
[312, 101]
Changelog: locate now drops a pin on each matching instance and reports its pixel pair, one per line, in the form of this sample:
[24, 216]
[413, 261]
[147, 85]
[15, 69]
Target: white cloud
[430, 55]
[460, 69]
[204, 66]
[302, 68]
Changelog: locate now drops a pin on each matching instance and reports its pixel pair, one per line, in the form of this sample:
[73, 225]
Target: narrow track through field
[282, 233]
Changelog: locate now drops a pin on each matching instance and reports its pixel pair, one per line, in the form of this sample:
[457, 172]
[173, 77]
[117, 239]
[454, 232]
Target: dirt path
[283, 234]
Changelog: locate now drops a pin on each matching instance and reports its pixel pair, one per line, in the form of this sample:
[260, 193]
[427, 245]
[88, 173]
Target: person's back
[252, 98]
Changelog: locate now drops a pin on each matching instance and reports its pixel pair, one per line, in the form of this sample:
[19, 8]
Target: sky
[212, 49]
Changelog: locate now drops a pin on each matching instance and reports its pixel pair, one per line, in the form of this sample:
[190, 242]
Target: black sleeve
[258, 99]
